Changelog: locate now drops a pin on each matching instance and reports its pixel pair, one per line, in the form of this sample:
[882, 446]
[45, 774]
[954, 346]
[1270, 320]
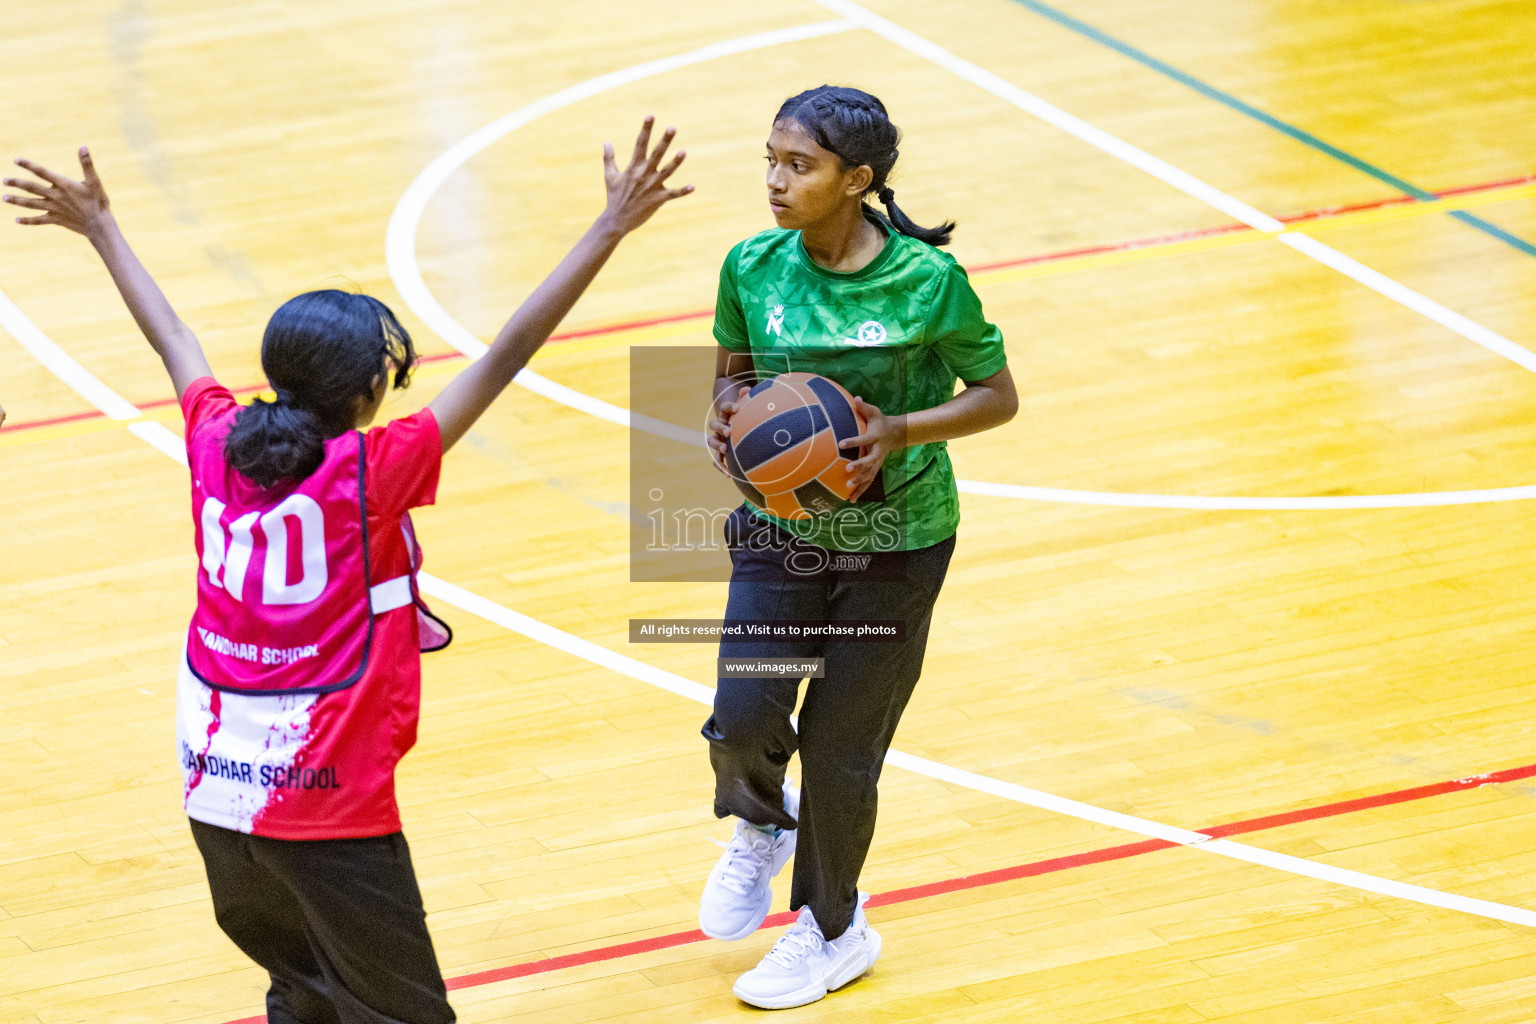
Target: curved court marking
[644, 329]
[1050, 865]
[400, 235]
[165, 441]
[405, 271]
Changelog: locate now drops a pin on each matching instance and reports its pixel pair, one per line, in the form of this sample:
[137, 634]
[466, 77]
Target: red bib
[285, 602]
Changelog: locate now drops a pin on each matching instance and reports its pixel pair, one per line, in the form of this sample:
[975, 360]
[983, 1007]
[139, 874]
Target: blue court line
[1300, 135]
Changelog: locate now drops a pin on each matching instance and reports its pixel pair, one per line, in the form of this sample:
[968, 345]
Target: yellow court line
[9, 439]
[1401, 211]
[634, 336]
[13, 438]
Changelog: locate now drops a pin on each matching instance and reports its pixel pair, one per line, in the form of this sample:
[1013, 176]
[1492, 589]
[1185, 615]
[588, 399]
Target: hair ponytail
[272, 441]
[854, 125]
[322, 351]
[901, 222]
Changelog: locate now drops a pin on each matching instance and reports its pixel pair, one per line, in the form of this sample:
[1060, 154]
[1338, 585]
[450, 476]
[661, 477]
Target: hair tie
[282, 396]
[886, 196]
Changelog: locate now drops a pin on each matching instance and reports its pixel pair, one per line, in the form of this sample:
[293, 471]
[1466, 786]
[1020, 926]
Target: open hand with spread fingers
[80, 206]
[635, 193]
[639, 190]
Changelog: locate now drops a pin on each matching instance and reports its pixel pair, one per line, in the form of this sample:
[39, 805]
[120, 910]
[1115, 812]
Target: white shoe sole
[856, 965]
[782, 1001]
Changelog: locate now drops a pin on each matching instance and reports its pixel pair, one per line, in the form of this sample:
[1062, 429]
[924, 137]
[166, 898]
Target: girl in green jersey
[866, 299]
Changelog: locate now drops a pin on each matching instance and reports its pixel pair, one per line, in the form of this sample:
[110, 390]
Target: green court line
[1300, 135]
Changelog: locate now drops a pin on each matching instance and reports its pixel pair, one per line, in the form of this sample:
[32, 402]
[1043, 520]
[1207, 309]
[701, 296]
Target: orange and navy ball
[786, 452]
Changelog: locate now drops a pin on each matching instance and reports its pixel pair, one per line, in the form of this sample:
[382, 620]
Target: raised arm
[634, 194]
[82, 207]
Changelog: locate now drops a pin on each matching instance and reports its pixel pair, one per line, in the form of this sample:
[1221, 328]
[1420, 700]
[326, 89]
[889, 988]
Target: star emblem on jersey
[776, 321]
[870, 333]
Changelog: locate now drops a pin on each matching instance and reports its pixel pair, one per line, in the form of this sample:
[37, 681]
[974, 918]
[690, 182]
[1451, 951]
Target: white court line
[162, 438]
[404, 270]
[1184, 182]
[1055, 116]
[401, 258]
[400, 236]
[676, 684]
[62, 365]
[1419, 303]
[168, 443]
[1195, 502]
[84, 383]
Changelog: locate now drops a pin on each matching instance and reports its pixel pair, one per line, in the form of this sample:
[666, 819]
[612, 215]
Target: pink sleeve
[404, 458]
[205, 399]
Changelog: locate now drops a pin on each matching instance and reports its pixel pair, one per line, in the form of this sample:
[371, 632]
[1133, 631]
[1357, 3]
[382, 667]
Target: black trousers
[337, 923]
[848, 717]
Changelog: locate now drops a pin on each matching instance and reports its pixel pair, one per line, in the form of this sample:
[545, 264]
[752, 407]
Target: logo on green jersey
[870, 334]
[775, 321]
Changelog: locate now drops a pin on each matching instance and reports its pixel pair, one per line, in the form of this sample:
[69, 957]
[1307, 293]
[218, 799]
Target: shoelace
[748, 852]
[802, 940]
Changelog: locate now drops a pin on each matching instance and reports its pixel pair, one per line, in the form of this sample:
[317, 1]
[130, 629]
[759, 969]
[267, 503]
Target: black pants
[337, 923]
[848, 717]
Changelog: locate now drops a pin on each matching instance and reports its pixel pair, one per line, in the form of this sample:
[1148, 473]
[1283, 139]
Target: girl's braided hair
[854, 125]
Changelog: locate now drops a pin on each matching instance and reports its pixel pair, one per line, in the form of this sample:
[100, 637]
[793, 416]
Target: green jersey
[898, 333]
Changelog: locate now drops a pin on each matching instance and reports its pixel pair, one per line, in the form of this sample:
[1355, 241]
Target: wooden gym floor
[1136, 640]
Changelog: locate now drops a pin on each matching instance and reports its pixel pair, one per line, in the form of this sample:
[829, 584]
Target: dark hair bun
[322, 351]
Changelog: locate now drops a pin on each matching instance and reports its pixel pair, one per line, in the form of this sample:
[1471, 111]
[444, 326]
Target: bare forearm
[733, 370]
[536, 319]
[143, 297]
[975, 409]
[475, 388]
[171, 339]
[634, 193]
[83, 207]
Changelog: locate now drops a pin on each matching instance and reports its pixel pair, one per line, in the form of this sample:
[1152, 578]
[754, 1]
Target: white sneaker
[802, 967]
[738, 893]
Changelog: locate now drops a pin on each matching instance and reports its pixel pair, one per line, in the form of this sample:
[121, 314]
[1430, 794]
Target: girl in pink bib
[300, 686]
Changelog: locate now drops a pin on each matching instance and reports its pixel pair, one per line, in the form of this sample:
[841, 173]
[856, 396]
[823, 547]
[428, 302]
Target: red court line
[94, 414]
[1400, 796]
[1227, 229]
[160, 403]
[1009, 874]
[630, 325]
[1052, 257]
[1094, 250]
